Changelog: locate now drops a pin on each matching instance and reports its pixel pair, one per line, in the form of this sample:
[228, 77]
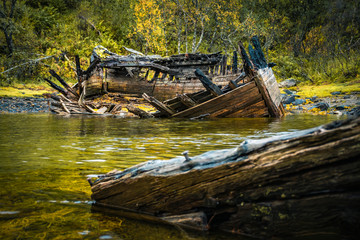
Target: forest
[313, 41]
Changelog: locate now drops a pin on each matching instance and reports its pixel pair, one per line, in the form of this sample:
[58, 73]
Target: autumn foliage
[312, 41]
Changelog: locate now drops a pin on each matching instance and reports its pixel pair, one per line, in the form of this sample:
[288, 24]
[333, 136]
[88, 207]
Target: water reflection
[45, 159]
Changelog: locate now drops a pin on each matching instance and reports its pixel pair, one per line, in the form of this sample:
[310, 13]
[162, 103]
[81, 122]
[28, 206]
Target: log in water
[304, 183]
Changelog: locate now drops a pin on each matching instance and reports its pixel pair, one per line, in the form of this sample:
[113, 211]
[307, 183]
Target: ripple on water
[95, 160]
[9, 212]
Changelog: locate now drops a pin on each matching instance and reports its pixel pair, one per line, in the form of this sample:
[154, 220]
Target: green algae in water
[45, 160]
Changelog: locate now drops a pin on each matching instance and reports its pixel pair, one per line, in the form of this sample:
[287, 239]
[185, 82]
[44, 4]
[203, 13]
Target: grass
[25, 90]
[325, 90]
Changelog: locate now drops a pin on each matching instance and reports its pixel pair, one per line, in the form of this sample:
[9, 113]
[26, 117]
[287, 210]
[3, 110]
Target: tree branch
[13, 2]
[29, 62]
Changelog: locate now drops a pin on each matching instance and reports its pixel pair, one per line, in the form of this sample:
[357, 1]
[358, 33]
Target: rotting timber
[250, 92]
[301, 184]
[253, 93]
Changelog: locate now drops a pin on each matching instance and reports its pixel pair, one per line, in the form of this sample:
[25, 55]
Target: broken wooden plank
[186, 100]
[259, 60]
[102, 110]
[247, 65]
[56, 87]
[260, 78]
[139, 112]
[79, 73]
[208, 84]
[235, 63]
[70, 89]
[64, 107]
[158, 105]
[220, 102]
[155, 77]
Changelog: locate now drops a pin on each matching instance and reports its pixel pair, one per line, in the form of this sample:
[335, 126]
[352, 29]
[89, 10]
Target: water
[45, 160]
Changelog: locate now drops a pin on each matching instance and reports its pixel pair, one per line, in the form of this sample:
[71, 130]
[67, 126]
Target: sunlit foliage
[313, 41]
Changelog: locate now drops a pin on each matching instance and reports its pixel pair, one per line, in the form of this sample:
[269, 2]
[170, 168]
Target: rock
[288, 83]
[313, 98]
[340, 107]
[271, 64]
[299, 101]
[287, 91]
[347, 97]
[288, 99]
[321, 105]
[335, 93]
[355, 111]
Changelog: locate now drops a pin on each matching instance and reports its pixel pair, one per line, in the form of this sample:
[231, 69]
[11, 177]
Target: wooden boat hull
[258, 96]
[301, 184]
[161, 89]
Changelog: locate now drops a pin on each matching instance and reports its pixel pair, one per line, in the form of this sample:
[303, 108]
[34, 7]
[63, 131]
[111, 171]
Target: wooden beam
[274, 111]
[186, 100]
[208, 84]
[79, 73]
[159, 105]
[247, 65]
[56, 87]
[235, 63]
[70, 89]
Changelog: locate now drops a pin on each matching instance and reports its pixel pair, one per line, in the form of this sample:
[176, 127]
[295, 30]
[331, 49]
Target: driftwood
[301, 184]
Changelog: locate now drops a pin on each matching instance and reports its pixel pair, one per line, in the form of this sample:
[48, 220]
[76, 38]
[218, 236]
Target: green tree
[7, 26]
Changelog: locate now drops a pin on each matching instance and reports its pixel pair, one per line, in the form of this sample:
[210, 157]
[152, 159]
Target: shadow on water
[45, 160]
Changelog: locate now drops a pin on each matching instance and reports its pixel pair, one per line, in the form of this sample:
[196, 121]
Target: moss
[326, 90]
[283, 216]
[24, 90]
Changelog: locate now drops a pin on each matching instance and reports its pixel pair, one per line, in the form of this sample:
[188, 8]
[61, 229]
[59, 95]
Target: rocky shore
[339, 103]
[22, 105]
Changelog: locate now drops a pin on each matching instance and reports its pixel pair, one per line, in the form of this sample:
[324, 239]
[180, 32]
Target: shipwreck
[183, 86]
[303, 184]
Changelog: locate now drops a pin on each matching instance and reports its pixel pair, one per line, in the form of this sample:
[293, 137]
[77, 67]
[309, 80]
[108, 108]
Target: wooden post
[223, 65]
[91, 67]
[155, 76]
[79, 72]
[259, 53]
[235, 63]
[248, 66]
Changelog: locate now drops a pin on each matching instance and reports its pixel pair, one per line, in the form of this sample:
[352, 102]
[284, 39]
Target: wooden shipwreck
[200, 85]
[304, 184]
[156, 76]
[253, 93]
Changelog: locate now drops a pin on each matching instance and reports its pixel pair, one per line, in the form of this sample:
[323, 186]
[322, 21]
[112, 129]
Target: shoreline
[25, 105]
[340, 104]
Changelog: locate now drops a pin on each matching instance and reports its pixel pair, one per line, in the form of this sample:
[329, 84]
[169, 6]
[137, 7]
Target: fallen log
[305, 183]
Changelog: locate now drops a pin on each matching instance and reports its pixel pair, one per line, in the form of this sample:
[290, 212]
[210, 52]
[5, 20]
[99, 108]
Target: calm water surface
[45, 160]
